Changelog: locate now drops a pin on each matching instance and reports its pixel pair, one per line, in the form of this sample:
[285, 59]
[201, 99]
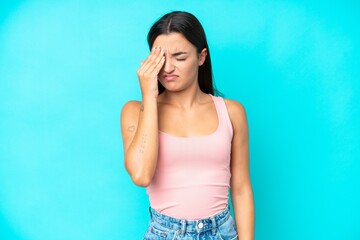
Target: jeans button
[200, 225]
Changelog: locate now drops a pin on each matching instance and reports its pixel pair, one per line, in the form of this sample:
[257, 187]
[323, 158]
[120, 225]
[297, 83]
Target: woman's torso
[192, 177]
[201, 120]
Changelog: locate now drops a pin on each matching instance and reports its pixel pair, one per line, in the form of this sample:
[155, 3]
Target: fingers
[159, 65]
[153, 59]
[153, 62]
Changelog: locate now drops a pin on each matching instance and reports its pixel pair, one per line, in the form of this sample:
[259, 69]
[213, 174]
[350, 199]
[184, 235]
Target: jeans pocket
[158, 232]
[227, 230]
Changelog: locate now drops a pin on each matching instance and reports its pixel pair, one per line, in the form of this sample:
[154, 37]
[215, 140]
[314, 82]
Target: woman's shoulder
[236, 110]
[234, 106]
[131, 104]
[130, 108]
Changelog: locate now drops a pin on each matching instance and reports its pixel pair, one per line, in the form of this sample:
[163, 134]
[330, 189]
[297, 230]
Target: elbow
[140, 175]
[141, 180]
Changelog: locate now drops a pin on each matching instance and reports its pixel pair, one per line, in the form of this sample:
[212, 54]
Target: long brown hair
[190, 27]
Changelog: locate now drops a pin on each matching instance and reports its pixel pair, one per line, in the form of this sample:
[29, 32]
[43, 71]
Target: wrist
[151, 93]
[149, 101]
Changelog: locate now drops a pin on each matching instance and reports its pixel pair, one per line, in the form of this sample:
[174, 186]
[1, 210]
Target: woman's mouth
[169, 77]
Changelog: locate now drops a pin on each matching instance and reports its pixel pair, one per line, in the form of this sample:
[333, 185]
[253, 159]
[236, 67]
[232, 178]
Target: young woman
[185, 145]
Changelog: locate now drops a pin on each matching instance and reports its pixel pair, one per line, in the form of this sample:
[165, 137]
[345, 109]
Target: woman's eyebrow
[178, 53]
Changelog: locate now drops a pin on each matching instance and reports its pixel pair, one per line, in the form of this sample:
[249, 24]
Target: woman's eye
[181, 59]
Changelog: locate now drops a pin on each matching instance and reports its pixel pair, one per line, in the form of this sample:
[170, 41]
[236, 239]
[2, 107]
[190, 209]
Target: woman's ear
[202, 56]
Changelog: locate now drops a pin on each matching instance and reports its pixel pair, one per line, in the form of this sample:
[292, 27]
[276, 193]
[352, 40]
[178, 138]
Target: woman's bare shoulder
[235, 107]
[131, 105]
[237, 112]
[130, 110]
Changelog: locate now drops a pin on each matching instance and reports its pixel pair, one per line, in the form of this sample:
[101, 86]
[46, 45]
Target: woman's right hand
[148, 72]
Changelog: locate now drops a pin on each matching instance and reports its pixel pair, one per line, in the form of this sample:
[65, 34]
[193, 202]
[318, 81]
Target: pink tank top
[192, 177]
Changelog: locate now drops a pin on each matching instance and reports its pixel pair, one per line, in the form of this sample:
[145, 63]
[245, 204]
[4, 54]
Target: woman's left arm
[241, 190]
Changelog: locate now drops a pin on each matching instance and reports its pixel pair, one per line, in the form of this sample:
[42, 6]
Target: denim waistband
[190, 226]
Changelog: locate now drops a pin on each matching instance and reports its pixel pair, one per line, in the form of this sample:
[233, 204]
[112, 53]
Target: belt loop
[213, 221]
[183, 228]
[150, 212]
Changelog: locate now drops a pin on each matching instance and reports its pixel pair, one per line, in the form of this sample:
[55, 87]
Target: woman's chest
[188, 123]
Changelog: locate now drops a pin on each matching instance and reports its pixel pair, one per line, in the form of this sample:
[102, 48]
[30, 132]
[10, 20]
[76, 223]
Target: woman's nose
[168, 65]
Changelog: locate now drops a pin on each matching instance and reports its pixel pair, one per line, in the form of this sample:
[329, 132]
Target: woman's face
[182, 61]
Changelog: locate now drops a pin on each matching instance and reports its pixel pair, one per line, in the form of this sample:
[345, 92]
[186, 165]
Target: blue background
[67, 68]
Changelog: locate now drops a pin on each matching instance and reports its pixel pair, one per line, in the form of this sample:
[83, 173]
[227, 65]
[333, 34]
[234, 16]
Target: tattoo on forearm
[143, 142]
[131, 128]
[141, 108]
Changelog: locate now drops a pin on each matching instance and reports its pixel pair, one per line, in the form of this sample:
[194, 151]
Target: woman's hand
[148, 73]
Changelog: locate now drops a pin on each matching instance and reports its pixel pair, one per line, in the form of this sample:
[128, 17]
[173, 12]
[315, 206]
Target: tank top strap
[223, 115]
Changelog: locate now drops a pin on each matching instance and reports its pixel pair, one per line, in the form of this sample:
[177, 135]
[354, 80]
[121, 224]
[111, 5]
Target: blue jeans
[219, 227]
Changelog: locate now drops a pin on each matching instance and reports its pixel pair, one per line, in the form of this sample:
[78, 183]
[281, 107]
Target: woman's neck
[183, 99]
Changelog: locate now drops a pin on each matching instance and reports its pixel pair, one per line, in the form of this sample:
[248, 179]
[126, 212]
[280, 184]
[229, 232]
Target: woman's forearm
[141, 156]
[243, 204]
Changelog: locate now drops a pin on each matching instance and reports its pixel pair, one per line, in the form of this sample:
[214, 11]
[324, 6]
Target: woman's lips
[169, 77]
